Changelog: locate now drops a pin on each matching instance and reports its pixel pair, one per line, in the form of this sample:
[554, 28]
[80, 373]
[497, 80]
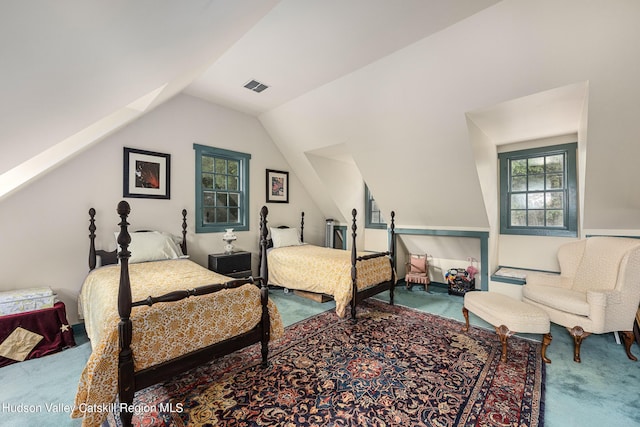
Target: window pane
[519, 183]
[519, 167]
[221, 166]
[518, 201]
[221, 199]
[555, 181]
[555, 218]
[207, 181]
[207, 200]
[221, 182]
[233, 215]
[535, 218]
[554, 200]
[209, 216]
[207, 164]
[535, 201]
[375, 216]
[555, 163]
[233, 199]
[518, 218]
[536, 165]
[234, 167]
[536, 182]
[221, 214]
[232, 183]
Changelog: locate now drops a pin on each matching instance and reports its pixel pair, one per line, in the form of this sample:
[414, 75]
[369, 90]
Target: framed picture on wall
[277, 186]
[146, 174]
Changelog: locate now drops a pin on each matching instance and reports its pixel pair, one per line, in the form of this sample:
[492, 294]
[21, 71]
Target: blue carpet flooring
[603, 390]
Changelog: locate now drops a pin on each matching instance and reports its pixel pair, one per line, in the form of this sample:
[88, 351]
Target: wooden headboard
[111, 257]
[270, 241]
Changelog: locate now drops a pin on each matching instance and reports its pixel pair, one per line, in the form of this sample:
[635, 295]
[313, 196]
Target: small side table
[234, 264]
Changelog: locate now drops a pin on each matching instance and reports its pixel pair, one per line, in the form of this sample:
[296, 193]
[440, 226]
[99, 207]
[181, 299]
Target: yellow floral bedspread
[161, 332]
[324, 270]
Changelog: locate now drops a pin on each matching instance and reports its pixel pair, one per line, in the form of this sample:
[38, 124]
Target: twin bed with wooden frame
[162, 332]
[346, 276]
[167, 333]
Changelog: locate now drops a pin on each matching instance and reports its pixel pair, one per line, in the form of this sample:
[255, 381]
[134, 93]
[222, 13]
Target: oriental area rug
[394, 367]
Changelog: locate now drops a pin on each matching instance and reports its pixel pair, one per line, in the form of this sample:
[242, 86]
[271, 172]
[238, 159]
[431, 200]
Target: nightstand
[234, 264]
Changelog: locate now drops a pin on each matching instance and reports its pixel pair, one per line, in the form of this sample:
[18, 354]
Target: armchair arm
[603, 297]
[608, 311]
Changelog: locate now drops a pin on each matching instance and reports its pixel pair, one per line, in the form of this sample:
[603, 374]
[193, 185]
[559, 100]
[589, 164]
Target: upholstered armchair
[597, 291]
[417, 271]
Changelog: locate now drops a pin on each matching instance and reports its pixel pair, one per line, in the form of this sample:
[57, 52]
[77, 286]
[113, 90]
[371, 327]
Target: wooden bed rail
[200, 290]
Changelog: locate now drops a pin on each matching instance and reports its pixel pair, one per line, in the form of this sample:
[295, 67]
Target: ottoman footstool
[508, 316]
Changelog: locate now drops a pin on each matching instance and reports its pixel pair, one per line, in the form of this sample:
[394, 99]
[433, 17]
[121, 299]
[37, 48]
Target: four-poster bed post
[360, 295]
[130, 381]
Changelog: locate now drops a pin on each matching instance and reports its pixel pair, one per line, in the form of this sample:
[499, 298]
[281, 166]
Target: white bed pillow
[284, 237]
[151, 246]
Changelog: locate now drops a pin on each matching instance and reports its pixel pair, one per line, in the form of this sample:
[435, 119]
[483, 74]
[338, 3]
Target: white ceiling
[550, 113]
[69, 71]
[301, 45]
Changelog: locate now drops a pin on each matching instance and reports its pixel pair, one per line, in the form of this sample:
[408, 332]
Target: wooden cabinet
[234, 264]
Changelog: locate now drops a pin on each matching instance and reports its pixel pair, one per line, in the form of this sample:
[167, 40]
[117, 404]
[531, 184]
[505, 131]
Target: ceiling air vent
[256, 86]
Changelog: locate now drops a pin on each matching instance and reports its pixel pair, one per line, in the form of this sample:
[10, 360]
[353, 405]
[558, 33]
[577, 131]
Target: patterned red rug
[394, 367]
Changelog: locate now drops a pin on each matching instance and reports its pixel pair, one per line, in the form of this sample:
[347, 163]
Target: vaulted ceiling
[72, 75]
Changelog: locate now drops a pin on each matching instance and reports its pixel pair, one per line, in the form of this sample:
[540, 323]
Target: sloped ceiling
[73, 74]
[385, 80]
[302, 45]
[404, 117]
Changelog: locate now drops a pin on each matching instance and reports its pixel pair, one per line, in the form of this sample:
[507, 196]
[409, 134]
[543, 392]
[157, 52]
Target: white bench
[508, 316]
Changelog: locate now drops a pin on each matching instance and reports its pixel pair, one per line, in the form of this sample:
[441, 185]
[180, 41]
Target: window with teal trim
[222, 189]
[538, 191]
[373, 215]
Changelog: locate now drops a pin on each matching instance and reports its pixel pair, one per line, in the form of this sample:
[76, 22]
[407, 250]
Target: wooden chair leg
[628, 341]
[546, 340]
[578, 335]
[465, 313]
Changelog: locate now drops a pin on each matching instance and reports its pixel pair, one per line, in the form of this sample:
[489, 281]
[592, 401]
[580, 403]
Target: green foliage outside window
[222, 178]
[538, 191]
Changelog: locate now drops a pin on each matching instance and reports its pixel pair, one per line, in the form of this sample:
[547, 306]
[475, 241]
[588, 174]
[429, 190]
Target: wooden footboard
[130, 381]
[362, 294]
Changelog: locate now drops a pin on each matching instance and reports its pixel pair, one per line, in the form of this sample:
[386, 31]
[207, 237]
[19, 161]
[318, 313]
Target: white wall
[44, 227]
[403, 117]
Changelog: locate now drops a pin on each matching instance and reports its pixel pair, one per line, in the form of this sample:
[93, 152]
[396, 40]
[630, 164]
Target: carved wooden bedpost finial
[392, 254]
[354, 271]
[392, 231]
[264, 268]
[92, 239]
[184, 232]
[125, 327]
[302, 227]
